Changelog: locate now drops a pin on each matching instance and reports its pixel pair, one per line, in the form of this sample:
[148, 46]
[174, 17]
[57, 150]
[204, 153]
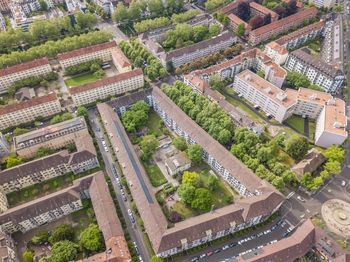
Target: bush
[83, 67]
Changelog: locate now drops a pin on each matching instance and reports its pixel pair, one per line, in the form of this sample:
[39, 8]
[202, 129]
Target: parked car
[225, 247]
[300, 198]
[124, 198]
[210, 253]
[202, 256]
[122, 192]
[343, 183]
[140, 259]
[194, 259]
[233, 245]
[217, 251]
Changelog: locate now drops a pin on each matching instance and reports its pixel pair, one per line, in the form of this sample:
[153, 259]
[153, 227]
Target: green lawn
[312, 128]
[297, 122]
[155, 175]
[80, 80]
[153, 122]
[180, 208]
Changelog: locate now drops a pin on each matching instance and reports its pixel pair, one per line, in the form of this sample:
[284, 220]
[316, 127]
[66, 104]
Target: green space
[312, 128]
[81, 80]
[296, 122]
[184, 210]
[153, 123]
[155, 175]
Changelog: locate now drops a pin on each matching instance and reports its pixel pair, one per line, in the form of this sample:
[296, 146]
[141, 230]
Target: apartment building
[2, 22]
[46, 209]
[29, 110]
[262, 199]
[4, 146]
[53, 137]
[265, 32]
[189, 53]
[28, 6]
[324, 3]
[106, 5]
[234, 21]
[100, 51]
[317, 71]
[120, 61]
[11, 74]
[5, 6]
[110, 86]
[329, 112]
[256, 9]
[7, 248]
[59, 164]
[253, 59]
[278, 50]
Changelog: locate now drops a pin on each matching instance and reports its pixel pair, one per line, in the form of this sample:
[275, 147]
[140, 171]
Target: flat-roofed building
[100, 51]
[53, 137]
[109, 86]
[329, 112]
[120, 61]
[317, 71]
[9, 75]
[59, 164]
[178, 163]
[29, 110]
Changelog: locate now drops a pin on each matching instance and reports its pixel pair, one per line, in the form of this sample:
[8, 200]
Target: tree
[214, 29]
[180, 143]
[62, 232]
[186, 192]
[149, 144]
[11, 90]
[240, 30]
[82, 111]
[99, 73]
[140, 106]
[191, 178]
[261, 73]
[41, 236]
[215, 82]
[28, 256]
[183, 31]
[335, 153]
[175, 217]
[43, 5]
[333, 167]
[292, 7]
[91, 238]
[157, 259]
[213, 183]
[56, 119]
[288, 176]
[120, 13]
[156, 7]
[316, 183]
[64, 251]
[224, 136]
[297, 80]
[200, 32]
[13, 161]
[66, 116]
[281, 11]
[243, 10]
[202, 200]
[133, 120]
[297, 147]
[267, 19]
[20, 131]
[133, 10]
[85, 19]
[256, 22]
[306, 179]
[278, 183]
[324, 174]
[195, 153]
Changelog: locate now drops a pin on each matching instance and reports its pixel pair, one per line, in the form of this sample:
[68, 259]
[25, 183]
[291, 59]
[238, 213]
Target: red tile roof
[28, 103]
[102, 82]
[263, 9]
[287, 20]
[24, 66]
[86, 50]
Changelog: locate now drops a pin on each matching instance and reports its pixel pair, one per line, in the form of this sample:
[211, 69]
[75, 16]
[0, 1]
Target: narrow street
[133, 228]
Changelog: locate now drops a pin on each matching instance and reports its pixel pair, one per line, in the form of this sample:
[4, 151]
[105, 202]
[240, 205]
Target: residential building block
[4, 146]
[120, 61]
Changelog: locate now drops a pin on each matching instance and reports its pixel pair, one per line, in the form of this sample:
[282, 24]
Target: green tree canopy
[66, 116]
[191, 178]
[43, 151]
[202, 200]
[149, 144]
[64, 251]
[41, 236]
[297, 147]
[156, 259]
[333, 167]
[20, 131]
[62, 232]
[213, 183]
[140, 106]
[297, 80]
[180, 143]
[13, 161]
[91, 238]
[335, 153]
[134, 120]
[240, 30]
[28, 256]
[186, 192]
[195, 153]
[306, 180]
[82, 111]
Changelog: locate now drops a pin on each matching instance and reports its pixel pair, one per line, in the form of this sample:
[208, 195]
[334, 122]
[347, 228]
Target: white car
[300, 198]
[343, 183]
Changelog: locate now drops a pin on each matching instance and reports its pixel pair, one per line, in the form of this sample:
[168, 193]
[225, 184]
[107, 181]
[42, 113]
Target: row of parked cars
[240, 242]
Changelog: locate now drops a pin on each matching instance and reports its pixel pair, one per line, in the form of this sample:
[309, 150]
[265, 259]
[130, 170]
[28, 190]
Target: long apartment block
[317, 71]
[253, 59]
[59, 164]
[53, 137]
[11, 74]
[259, 201]
[278, 49]
[100, 51]
[329, 112]
[29, 110]
[109, 86]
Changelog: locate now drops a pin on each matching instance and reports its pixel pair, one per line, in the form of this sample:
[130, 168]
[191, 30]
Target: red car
[210, 253]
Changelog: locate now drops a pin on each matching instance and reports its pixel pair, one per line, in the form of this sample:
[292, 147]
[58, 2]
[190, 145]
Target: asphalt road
[275, 235]
[133, 229]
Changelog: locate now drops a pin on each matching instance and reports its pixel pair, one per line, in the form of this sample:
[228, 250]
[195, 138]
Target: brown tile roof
[263, 9]
[119, 56]
[275, 46]
[102, 82]
[309, 164]
[287, 20]
[104, 208]
[47, 203]
[24, 66]
[86, 50]
[28, 103]
[302, 31]
[199, 83]
[130, 99]
[201, 45]
[235, 19]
